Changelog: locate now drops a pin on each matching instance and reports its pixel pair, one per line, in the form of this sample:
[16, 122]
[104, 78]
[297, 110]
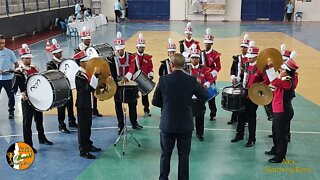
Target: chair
[298, 15]
[72, 31]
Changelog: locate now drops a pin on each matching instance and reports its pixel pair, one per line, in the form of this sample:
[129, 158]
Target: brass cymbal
[269, 54]
[102, 94]
[260, 94]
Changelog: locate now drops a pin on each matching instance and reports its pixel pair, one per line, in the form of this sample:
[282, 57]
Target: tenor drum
[198, 107]
[127, 93]
[100, 50]
[233, 98]
[212, 91]
[48, 90]
[145, 85]
[70, 68]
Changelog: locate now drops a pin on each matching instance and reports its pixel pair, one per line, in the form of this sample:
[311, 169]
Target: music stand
[124, 132]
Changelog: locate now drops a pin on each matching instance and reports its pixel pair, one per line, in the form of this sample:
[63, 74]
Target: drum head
[92, 52]
[39, 92]
[130, 83]
[69, 68]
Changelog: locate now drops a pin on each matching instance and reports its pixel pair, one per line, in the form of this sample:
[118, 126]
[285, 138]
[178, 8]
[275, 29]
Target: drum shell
[145, 85]
[126, 94]
[60, 89]
[103, 50]
[233, 102]
[198, 107]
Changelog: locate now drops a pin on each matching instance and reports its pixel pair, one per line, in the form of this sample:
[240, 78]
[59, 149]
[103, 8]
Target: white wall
[310, 10]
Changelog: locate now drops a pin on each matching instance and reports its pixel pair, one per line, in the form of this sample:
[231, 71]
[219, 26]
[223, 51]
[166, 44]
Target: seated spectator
[71, 18]
[80, 16]
[87, 13]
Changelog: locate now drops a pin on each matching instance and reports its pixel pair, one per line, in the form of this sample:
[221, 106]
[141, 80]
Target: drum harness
[123, 66]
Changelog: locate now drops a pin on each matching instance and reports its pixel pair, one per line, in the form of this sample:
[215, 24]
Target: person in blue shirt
[289, 11]
[7, 60]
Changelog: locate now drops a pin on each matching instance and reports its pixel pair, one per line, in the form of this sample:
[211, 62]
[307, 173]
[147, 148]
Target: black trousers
[94, 104]
[28, 113]
[234, 116]
[199, 121]
[281, 130]
[167, 142]
[213, 107]
[145, 103]
[268, 109]
[117, 14]
[120, 115]
[7, 85]
[249, 114]
[84, 129]
[289, 15]
[62, 112]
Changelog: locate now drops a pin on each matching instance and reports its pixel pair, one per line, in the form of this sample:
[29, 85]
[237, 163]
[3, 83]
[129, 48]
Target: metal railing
[12, 7]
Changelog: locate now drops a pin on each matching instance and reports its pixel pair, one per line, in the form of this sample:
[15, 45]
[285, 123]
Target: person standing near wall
[77, 8]
[289, 11]
[117, 10]
[7, 58]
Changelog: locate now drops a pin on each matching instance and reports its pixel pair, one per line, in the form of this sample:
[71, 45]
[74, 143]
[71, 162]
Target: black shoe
[250, 143]
[236, 139]
[11, 115]
[136, 127]
[73, 125]
[270, 153]
[200, 137]
[212, 118]
[140, 126]
[96, 113]
[34, 150]
[275, 160]
[120, 130]
[94, 149]
[87, 155]
[46, 142]
[270, 136]
[230, 122]
[147, 112]
[270, 118]
[64, 129]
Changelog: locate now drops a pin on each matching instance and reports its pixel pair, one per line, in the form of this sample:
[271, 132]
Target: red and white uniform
[125, 65]
[185, 45]
[211, 59]
[143, 62]
[254, 76]
[202, 74]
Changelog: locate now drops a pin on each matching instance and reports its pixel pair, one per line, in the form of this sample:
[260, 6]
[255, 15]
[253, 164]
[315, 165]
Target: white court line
[156, 127]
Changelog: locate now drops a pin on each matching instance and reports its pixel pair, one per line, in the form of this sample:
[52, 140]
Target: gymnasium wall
[177, 10]
[310, 10]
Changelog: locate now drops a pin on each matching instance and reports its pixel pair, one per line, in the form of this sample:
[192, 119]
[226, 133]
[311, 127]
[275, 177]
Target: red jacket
[144, 63]
[212, 60]
[125, 65]
[281, 86]
[256, 76]
[203, 74]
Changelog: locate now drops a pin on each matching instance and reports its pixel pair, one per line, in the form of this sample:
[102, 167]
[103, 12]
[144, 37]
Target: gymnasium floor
[216, 157]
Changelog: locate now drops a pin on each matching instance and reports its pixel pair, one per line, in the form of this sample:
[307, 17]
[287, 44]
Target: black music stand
[124, 132]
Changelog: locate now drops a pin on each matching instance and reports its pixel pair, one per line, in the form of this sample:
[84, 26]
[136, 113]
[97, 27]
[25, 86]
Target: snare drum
[48, 90]
[212, 91]
[198, 107]
[70, 68]
[100, 50]
[145, 85]
[233, 98]
[127, 93]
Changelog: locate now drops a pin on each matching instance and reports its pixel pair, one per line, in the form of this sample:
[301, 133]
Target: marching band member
[165, 67]
[54, 65]
[143, 62]
[283, 112]
[85, 85]
[205, 78]
[251, 75]
[236, 71]
[211, 58]
[25, 70]
[85, 35]
[125, 67]
[185, 44]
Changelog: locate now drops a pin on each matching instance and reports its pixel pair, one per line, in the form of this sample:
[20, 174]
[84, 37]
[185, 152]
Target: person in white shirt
[289, 11]
[77, 8]
[117, 10]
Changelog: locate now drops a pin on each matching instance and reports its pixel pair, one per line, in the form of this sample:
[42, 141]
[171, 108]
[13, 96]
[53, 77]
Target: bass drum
[233, 98]
[70, 68]
[48, 90]
[101, 50]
